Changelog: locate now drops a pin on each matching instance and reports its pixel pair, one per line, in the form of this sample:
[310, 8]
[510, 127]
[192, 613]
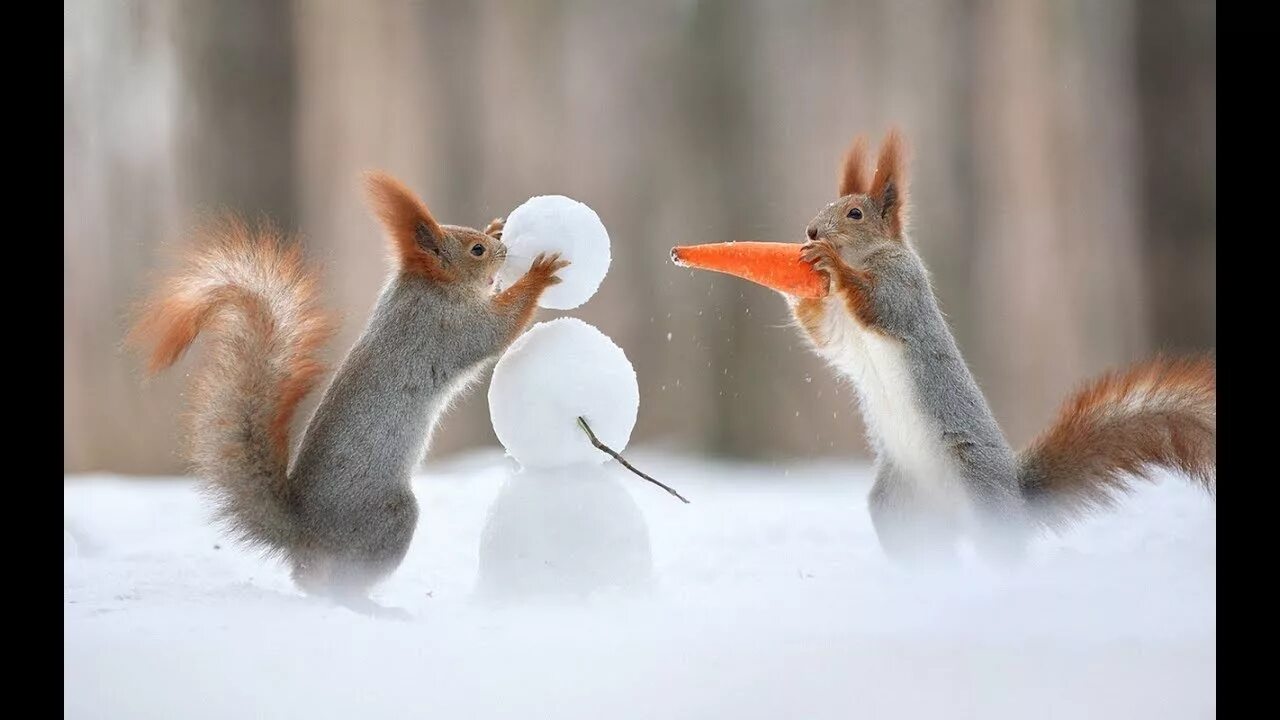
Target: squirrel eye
[477, 249]
[855, 214]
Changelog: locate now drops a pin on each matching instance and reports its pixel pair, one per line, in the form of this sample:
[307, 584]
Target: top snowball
[555, 223]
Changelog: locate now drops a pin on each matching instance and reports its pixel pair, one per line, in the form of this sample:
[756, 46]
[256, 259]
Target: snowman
[563, 402]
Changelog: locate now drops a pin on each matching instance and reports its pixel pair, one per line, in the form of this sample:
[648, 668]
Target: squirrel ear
[853, 175]
[415, 235]
[889, 183]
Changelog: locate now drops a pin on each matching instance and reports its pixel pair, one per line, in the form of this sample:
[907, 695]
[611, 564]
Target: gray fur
[907, 310]
[911, 527]
[423, 344]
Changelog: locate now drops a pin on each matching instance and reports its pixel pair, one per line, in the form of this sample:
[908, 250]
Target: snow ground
[772, 600]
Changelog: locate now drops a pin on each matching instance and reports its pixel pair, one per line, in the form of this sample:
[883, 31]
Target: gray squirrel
[343, 514]
[944, 469]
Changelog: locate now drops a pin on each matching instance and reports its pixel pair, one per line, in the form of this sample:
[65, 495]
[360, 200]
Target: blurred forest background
[1063, 180]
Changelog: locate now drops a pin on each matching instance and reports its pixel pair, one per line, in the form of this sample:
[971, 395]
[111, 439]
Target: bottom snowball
[563, 531]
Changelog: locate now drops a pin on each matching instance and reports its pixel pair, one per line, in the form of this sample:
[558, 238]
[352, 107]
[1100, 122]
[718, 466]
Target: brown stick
[582, 422]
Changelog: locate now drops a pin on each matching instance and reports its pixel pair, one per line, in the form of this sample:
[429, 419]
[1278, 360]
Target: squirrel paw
[367, 607]
[824, 256]
[494, 228]
[545, 267]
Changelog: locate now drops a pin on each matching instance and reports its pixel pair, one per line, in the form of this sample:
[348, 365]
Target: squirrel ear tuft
[853, 174]
[414, 233]
[889, 183]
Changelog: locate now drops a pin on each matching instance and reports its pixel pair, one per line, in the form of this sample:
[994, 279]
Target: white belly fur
[896, 425]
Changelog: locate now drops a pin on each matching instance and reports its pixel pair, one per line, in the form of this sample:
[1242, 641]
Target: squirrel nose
[812, 231]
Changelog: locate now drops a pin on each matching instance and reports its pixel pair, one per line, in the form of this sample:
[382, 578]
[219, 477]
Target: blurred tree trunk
[120, 98]
[237, 109]
[200, 120]
[721, 119]
[1056, 215]
[1175, 54]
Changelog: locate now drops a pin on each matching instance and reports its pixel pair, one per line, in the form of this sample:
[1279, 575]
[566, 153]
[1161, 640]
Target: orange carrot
[775, 265]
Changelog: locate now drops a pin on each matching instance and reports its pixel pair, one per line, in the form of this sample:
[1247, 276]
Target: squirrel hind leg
[363, 605]
[1001, 528]
[344, 584]
[911, 532]
[312, 574]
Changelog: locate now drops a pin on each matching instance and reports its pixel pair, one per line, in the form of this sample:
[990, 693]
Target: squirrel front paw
[516, 303]
[824, 256]
[544, 269]
[854, 285]
[494, 228]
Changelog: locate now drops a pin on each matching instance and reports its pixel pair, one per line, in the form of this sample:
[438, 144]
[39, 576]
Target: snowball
[555, 223]
[563, 531]
[557, 371]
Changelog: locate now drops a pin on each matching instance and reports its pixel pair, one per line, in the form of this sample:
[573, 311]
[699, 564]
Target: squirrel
[343, 514]
[944, 469]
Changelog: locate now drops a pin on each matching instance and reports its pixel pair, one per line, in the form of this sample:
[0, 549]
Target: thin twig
[582, 422]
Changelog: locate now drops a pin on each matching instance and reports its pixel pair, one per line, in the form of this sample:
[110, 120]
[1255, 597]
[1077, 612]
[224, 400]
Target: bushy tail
[1156, 413]
[253, 291]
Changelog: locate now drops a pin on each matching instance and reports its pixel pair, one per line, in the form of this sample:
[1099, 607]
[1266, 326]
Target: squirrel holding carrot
[944, 468]
[343, 513]
[861, 295]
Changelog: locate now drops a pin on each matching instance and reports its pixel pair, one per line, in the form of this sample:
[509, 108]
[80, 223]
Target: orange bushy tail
[1157, 413]
[254, 292]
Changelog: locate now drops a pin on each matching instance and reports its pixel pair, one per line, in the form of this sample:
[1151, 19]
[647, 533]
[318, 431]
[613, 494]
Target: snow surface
[553, 374]
[770, 599]
[555, 223]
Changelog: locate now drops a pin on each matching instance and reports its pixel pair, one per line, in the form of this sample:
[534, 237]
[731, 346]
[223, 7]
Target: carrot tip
[777, 266]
